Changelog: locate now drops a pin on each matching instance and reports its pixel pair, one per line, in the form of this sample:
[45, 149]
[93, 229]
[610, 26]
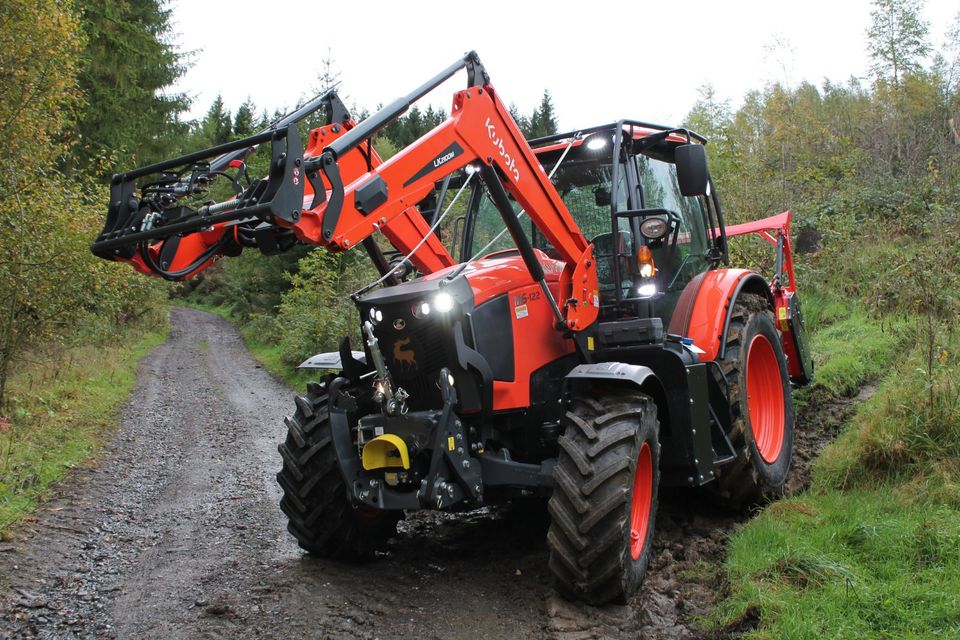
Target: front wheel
[605, 496]
[321, 518]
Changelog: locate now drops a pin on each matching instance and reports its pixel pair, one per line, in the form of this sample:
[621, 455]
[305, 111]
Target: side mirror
[692, 171]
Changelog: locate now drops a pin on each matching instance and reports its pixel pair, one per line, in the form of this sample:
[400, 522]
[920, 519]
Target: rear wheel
[605, 496]
[761, 407]
[321, 518]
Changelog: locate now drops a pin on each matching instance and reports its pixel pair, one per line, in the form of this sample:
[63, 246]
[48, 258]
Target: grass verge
[870, 551]
[60, 409]
[849, 345]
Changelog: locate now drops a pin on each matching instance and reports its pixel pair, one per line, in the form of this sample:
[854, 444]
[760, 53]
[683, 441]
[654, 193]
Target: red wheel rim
[765, 398]
[642, 497]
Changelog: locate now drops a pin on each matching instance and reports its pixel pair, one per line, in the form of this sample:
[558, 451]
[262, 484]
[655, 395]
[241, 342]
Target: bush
[317, 311]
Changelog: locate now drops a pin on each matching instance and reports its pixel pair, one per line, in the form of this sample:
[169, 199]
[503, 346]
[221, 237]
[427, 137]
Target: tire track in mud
[177, 533]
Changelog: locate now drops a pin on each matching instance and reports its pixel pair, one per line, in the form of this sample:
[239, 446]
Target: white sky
[601, 60]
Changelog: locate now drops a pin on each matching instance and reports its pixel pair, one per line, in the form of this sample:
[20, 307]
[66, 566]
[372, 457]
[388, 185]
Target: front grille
[414, 353]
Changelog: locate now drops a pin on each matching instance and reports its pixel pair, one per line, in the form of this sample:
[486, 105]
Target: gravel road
[176, 533]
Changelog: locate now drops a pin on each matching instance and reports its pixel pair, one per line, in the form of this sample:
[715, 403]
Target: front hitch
[453, 475]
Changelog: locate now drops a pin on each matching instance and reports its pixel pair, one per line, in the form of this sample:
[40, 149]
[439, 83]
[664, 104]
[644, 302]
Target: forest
[869, 167]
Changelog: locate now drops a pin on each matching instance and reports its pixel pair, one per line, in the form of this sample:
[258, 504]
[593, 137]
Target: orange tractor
[579, 337]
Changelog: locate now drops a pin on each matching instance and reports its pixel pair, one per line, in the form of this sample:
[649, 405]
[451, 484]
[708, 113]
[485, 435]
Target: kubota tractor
[579, 337]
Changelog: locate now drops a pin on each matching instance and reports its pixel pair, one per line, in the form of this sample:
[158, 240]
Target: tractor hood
[500, 272]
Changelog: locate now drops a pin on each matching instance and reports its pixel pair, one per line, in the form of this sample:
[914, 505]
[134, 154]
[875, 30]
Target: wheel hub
[765, 398]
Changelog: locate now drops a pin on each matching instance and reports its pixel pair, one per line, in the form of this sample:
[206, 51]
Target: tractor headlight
[654, 228]
[376, 316]
[647, 290]
[421, 309]
[443, 302]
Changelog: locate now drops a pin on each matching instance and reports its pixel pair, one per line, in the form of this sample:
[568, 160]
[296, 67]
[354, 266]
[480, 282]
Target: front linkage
[453, 475]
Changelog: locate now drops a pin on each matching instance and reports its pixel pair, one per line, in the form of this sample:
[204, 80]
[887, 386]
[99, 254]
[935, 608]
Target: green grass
[852, 349]
[871, 550]
[266, 353]
[59, 409]
[859, 564]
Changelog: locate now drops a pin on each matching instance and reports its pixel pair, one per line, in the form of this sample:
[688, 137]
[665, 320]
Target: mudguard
[612, 372]
[705, 307]
[705, 314]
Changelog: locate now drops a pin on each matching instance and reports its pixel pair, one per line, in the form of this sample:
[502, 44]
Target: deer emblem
[402, 357]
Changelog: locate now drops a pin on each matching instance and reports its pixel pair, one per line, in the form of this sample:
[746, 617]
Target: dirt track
[176, 534]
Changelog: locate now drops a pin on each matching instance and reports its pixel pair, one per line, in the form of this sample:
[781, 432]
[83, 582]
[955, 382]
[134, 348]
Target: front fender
[611, 372]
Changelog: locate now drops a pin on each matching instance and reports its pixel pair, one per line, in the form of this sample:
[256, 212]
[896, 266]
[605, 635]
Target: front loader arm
[338, 193]
[479, 132]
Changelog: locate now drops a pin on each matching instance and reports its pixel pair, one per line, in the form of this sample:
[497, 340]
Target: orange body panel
[710, 309]
[535, 345]
[535, 342]
[503, 271]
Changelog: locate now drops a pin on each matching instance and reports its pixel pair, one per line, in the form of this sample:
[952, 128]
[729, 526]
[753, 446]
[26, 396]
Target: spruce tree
[129, 63]
[243, 121]
[543, 122]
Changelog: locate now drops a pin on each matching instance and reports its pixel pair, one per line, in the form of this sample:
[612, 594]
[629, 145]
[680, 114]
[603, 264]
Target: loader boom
[339, 193]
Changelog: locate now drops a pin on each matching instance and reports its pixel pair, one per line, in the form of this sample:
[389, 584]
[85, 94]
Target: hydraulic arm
[338, 194]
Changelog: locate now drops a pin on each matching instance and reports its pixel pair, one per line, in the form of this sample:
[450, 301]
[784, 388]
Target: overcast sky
[600, 60]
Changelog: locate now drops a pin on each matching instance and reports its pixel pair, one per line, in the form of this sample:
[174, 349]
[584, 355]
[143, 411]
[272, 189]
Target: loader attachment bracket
[168, 190]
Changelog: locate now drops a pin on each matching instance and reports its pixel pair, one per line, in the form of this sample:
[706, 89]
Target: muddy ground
[176, 533]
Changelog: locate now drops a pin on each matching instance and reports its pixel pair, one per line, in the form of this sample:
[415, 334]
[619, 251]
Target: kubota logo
[404, 358]
[498, 143]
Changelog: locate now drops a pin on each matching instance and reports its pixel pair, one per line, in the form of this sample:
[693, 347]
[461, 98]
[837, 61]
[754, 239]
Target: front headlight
[443, 302]
[421, 309]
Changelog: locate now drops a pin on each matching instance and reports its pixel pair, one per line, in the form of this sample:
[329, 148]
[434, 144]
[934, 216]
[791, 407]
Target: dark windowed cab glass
[678, 262]
[584, 183]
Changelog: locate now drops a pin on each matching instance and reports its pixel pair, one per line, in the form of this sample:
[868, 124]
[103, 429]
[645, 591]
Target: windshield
[583, 182]
[584, 185]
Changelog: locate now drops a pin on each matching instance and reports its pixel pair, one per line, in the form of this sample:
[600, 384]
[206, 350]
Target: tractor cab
[650, 237]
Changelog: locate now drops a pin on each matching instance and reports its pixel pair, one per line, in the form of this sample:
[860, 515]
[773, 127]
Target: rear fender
[708, 318]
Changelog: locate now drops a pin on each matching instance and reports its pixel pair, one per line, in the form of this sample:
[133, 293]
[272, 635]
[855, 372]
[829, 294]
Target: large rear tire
[761, 407]
[321, 517]
[604, 500]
